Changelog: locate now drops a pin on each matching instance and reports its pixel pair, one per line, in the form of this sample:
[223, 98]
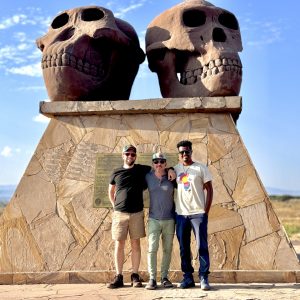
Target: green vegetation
[292, 229]
[283, 197]
[288, 212]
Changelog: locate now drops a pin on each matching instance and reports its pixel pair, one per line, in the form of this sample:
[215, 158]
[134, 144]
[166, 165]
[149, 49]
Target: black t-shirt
[130, 184]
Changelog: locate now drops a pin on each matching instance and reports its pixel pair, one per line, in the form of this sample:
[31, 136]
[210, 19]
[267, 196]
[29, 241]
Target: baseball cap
[129, 147]
[159, 155]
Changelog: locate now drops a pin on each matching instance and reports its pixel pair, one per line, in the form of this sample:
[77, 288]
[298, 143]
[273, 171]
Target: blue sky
[268, 124]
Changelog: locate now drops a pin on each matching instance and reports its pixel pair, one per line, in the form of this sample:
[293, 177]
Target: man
[126, 195]
[192, 208]
[161, 222]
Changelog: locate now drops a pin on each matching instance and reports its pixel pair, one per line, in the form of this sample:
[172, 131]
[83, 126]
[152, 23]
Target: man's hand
[171, 175]
[112, 194]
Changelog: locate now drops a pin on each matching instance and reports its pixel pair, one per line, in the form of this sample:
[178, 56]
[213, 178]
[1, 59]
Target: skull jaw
[227, 82]
[69, 84]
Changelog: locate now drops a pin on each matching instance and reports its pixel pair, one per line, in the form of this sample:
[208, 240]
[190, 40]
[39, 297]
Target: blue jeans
[184, 225]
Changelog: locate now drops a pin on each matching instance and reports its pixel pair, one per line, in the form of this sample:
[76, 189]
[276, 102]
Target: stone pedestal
[50, 224]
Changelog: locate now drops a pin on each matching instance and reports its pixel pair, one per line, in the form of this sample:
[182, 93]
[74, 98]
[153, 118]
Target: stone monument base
[57, 225]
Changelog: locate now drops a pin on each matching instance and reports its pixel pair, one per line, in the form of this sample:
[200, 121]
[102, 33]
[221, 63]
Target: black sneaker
[136, 280]
[166, 283]
[117, 282]
[187, 283]
[151, 285]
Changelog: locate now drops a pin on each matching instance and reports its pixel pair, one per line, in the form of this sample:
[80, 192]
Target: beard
[130, 163]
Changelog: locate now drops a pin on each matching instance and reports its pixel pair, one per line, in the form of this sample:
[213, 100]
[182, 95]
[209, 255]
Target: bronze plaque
[107, 162]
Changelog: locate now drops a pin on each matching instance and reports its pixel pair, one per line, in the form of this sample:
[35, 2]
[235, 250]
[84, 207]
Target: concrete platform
[99, 292]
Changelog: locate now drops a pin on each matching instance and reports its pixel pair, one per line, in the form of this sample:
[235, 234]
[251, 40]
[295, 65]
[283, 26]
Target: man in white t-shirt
[192, 208]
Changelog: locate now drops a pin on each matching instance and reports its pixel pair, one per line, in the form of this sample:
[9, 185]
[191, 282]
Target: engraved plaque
[107, 162]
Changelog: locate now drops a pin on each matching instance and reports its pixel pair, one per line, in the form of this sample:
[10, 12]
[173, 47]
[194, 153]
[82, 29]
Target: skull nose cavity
[92, 14]
[65, 35]
[60, 21]
[219, 35]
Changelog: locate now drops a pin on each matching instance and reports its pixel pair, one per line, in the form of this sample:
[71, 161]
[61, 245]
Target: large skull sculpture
[199, 43]
[88, 54]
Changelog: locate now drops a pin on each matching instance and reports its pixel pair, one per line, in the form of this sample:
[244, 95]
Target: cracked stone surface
[51, 225]
[100, 292]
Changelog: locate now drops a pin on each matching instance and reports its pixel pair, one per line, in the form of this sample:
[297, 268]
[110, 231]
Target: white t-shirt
[190, 194]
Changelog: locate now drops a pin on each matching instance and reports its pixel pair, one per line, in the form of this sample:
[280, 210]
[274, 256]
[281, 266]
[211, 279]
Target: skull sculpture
[88, 54]
[199, 43]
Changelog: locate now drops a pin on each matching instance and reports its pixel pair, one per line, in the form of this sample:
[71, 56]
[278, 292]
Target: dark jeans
[184, 225]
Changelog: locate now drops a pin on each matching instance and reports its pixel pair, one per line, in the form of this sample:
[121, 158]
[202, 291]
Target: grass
[288, 212]
[2, 206]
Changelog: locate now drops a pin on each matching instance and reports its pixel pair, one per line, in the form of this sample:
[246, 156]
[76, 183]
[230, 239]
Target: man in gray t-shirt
[161, 220]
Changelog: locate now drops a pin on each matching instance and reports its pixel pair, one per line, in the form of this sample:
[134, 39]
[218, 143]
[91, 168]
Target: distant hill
[6, 192]
[278, 192]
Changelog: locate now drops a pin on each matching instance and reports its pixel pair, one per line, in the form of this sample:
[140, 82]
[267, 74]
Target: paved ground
[100, 292]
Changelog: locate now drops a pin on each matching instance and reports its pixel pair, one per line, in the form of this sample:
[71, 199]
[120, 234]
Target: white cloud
[23, 46]
[6, 53]
[31, 88]
[41, 119]
[33, 70]
[20, 36]
[19, 54]
[120, 13]
[6, 151]
[12, 21]
[261, 33]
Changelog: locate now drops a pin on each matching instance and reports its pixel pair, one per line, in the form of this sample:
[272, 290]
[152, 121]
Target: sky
[269, 123]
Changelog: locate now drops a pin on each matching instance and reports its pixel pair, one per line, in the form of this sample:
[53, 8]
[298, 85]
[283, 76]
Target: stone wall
[50, 223]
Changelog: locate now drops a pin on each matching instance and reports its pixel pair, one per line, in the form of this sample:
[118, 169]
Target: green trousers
[156, 229]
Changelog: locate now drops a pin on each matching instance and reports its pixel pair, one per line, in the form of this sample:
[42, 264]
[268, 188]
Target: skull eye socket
[229, 20]
[92, 14]
[60, 21]
[194, 18]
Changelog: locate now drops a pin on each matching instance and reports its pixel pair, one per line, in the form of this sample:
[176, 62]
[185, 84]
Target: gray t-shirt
[161, 192]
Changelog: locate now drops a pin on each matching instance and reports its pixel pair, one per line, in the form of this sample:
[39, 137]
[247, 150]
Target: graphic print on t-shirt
[184, 179]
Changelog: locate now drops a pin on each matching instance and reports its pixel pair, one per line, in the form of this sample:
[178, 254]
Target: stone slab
[79, 277]
[166, 105]
[240, 291]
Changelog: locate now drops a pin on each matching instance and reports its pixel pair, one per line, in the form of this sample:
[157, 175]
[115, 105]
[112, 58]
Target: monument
[56, 228]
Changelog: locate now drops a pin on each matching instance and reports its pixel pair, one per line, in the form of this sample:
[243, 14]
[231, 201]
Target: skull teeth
[214, 67]
[68, 60]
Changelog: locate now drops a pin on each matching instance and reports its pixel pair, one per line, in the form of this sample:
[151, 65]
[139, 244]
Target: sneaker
[117, 282]
[204, 284]
[166, 283]
[151, 285]
[187, 283]
[136, 280]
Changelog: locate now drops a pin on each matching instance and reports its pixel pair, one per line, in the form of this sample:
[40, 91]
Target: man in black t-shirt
[126, 195]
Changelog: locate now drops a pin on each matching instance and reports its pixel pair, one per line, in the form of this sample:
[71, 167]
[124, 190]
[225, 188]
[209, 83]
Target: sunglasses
[130, 154]
[159, 161]
[187, 152]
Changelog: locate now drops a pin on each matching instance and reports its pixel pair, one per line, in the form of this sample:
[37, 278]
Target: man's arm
[171, 174]
[112, 194]
[209, 195]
